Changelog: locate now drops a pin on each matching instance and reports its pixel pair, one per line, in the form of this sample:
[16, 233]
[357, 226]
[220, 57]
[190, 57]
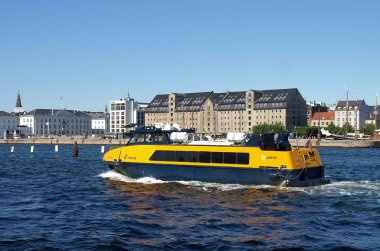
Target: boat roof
[153, 129]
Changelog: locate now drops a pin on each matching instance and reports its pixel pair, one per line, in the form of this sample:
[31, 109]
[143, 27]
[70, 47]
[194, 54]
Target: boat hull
[252, 176]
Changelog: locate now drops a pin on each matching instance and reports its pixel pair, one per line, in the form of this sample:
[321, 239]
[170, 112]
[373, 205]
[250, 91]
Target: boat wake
[337, 188]
[342, 188]
[112, 175]
[205, 186]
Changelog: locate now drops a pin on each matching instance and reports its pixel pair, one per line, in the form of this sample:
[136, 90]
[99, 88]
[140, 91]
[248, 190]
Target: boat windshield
[270, 141]
[150, 138]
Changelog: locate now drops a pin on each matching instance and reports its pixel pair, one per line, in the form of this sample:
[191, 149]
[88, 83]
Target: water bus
[180, 155]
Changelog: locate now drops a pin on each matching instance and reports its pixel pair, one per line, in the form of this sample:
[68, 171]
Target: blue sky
[92, 51]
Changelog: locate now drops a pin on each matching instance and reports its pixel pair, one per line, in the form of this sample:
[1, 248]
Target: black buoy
[75, 151]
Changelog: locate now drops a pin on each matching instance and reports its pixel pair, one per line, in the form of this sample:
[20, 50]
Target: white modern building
[44, 122]
[100, 123]
[8, 125]
[124, 112]
[355, 112]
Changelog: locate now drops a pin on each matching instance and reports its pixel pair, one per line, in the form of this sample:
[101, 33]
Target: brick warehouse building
[217, 113]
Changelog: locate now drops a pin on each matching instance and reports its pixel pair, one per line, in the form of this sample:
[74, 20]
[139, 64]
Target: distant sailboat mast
[347, 112]
[61, 99]
[376, 112]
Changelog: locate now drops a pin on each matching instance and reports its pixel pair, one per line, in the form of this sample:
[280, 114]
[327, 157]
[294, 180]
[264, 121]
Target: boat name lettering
[271, 157]
[129, 157]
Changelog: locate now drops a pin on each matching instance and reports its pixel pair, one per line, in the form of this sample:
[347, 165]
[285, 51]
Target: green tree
[369, 129]
[333, 129]
[305, 131]
[347, 128]
[267, 128]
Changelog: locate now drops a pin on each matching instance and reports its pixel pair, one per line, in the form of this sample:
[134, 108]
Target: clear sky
[94, 51]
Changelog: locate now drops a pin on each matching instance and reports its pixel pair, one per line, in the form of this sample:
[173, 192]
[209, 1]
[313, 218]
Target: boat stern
[307, 168]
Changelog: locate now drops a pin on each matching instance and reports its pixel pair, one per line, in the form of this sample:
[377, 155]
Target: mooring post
[75, 150]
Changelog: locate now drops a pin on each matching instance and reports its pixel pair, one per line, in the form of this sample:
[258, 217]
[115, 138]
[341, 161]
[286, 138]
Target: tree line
[306, 131]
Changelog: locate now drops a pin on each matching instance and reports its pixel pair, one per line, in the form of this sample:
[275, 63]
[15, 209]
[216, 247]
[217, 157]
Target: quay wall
[65, 141]
[336, 143]
[99, 141]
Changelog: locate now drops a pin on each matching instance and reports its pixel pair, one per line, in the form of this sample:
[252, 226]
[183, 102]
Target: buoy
[31, 149]
[56, 148]
[102, 149]
[75, 150]
[12, 149]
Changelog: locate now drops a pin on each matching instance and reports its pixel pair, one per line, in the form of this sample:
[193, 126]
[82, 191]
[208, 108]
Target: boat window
[148, 138]
[192, 157]
[169, 156]
[217, 157]
[230, 158]
[205, 157]
[180, 156]
[158, 155]
[243, 158]
[157, 138]
[138, 138]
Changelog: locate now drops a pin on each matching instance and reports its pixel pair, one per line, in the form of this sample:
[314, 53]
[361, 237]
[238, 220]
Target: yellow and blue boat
[259, 159]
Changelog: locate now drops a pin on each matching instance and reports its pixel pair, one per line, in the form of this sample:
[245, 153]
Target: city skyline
[92, 52]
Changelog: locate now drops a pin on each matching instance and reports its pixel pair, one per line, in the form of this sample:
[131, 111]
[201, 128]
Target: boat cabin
[152, 135]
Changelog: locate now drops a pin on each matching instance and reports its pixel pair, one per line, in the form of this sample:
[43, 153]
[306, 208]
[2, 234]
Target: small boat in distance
[259, 159]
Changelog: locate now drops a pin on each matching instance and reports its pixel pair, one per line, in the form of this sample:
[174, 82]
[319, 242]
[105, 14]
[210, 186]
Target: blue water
[53, 201]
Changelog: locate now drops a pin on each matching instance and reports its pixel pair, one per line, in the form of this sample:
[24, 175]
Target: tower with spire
[18, 107]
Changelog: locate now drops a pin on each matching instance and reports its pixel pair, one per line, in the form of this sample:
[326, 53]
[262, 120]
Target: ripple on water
[54, 201]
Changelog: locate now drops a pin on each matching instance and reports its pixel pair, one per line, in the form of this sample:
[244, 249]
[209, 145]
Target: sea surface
[52, 201]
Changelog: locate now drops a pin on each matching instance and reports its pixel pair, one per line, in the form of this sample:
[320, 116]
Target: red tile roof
[324, 116]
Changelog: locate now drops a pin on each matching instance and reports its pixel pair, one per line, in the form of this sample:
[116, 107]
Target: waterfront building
[139, 112]
[218, 113]
[354, 112]
[322, 119]
[374, 116]
[44, 122]
[234, 111]
[124, 112]
[314, 107]
[100, 123]
[284, 106]
[9, 125]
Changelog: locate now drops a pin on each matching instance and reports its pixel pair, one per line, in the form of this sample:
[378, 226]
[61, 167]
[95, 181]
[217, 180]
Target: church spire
[18, 107]
[18, 100]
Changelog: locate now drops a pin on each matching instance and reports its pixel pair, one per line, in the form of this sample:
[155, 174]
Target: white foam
[149, 180]
[342, 188]
[212, 186]
[205, 186]
[113, 175]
